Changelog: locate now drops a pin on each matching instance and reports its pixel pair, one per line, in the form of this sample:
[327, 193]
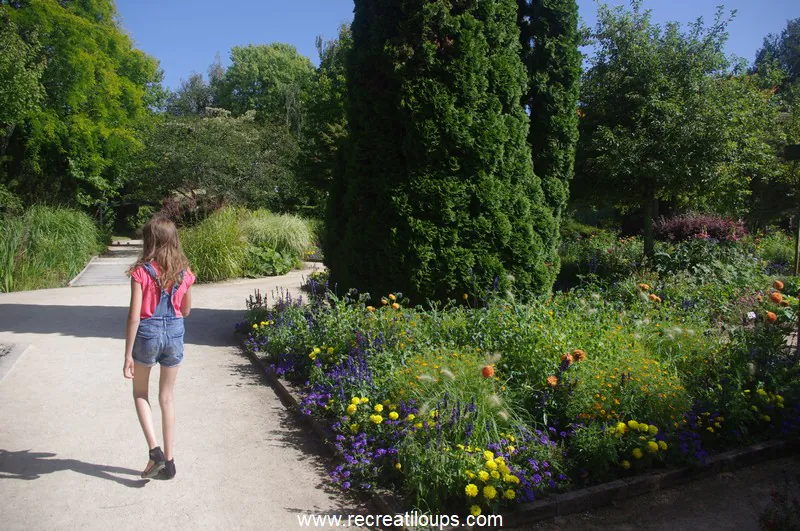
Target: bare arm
[186, 303]
[134, 316]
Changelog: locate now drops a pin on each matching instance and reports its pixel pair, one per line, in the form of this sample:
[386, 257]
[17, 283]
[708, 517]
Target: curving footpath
[71, 448]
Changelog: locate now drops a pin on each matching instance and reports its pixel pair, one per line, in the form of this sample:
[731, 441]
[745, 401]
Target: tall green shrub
[550, 39]
[437, 180]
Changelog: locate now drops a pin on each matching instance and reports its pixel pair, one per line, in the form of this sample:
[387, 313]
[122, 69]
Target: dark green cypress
[436, 191]
[550, 39]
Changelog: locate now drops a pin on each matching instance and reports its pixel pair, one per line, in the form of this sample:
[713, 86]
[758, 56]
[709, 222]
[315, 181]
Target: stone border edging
[579, 500]
[79, 275]
[292, 403]
[622, 489]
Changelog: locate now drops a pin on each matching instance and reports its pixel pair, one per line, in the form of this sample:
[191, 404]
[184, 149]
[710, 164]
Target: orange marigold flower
[778, 285]
[776, 297]
[578, 355]
[392, 297]
[487, 371]
[785, 303]
[567, 358]
[771, 317]
[760, 298]
[552, 381]
[644, 287]
[395, 306]
[653, 297]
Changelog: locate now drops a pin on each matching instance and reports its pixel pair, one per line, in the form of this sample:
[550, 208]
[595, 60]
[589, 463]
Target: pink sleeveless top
[151, 294]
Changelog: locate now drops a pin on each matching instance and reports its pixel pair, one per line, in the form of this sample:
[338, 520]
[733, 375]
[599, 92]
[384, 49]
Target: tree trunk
[650, 213]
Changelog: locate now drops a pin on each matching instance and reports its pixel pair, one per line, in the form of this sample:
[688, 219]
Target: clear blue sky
[186, 35]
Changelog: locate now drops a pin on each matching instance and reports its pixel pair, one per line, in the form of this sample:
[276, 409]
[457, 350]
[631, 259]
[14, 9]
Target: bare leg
[141, 385]
[166, 384]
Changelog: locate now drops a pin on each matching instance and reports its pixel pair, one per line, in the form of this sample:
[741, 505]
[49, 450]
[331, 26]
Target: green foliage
[776, 248]
[45, 248]
[192, 98]
[219, 159]
[325, 127]
[783, 50]
[233, 242]
[216, 247]
[73, 148]
[269, 79]
[550, 38]
[284, 233]
[653, 126]
[21, 71]
[437, 192]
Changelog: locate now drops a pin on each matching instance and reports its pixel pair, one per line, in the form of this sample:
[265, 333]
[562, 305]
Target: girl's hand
[127, 369]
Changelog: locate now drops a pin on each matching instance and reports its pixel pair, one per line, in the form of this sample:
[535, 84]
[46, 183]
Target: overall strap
[179, 282]
[152, 272]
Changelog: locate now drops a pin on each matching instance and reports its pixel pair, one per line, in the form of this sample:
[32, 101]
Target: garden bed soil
[728, 492]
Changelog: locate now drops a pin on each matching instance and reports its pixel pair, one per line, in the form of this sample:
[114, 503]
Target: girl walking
[160, 298]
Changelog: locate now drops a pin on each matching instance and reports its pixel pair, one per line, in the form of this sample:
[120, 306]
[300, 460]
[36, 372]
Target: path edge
[579, 500]
[79, 275]
[8, 361]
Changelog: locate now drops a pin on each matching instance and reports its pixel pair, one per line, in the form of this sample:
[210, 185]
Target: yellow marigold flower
[351, 409]
[330, 350]
[491, 465]
[418, 425]
[460, 446]
[511, 449]
[355, 400]
[470, 475]
[761, 392]
[652, 447]
[513, 479]
[255, 326]
[434, 414]
[471, 490]
[621, 427]
[507, 477]
[509, 494]
[392, 297]
[662, 445]
[499, 459]
[643, 427]
[365, 400]
[625, 464]
[378, 408]
[377, 419]
[652, 429]
[475, 510]
[488, 455]
[503, 469]
[710, 429]
[398, 466]
[317, 350]
[393, 415]
[632, 424]
[353, 428]
[465, 296]
[411, 416]
[637, 453]
[370, 308]
[483, 475]
[313, 356]
[495, 474]
[489, 492]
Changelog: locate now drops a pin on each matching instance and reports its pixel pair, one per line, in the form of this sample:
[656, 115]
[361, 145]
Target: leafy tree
[438, 194]
[96, 85]
[192, 98]
[782, 50]
[325, 127]
[550, 39]
[217, 159]
[651, 131]
[269, 79]
[21, 92]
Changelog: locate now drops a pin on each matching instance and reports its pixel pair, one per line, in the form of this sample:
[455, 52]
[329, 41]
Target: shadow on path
[204, 326]
[29, 465]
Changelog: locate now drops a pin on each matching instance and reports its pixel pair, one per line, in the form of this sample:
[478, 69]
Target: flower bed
[474, 407]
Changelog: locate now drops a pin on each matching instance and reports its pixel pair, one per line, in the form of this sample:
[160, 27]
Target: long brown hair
[162, 246]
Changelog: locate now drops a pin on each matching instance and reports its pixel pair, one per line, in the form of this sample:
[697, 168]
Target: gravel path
[71, 448]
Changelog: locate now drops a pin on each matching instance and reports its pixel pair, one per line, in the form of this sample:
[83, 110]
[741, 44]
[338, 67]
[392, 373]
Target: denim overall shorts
[160, 337]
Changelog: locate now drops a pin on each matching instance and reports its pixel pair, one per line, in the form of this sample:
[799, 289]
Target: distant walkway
[109, 269]
[71, 448]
